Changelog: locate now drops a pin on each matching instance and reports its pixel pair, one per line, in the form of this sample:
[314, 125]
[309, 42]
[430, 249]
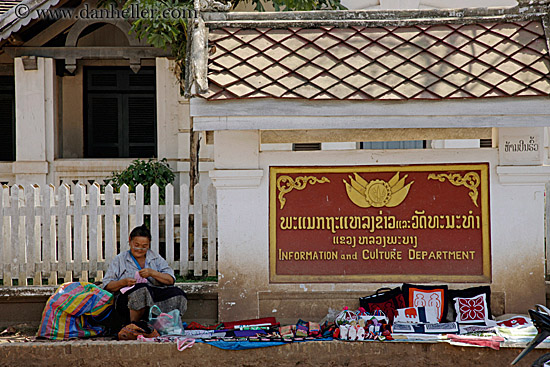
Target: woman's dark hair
[141, 231]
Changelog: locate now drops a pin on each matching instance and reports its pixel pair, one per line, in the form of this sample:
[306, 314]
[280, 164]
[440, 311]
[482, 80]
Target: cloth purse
[134, 330]
[166, 323]
[385, 299]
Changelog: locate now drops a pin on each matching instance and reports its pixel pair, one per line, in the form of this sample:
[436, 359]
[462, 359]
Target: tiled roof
[6, 5]
[383, 63]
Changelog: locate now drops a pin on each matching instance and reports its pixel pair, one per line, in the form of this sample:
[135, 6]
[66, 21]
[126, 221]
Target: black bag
[385, 299]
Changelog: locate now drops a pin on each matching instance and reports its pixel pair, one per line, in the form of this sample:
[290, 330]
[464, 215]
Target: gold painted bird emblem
[377, 193]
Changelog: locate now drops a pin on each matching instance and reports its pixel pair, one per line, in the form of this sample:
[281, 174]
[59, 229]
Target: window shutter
[7, 125]
[121, 113]
[302, 147]
[405, 144]
[7, 118]
[485, 143]
[141, 126]
[143, 80]
[104, 114]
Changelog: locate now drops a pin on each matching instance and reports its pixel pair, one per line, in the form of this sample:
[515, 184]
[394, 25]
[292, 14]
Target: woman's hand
[129, 281]
[117, 285]
[161, 277]
[146, 273]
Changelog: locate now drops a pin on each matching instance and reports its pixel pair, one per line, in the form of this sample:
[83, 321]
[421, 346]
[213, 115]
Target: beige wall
[517, 256]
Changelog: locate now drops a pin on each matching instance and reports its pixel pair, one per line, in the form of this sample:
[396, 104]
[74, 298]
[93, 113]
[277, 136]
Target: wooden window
[120, 113]
[7, 118]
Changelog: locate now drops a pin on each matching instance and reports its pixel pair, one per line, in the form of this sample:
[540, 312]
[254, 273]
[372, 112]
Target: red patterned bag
[386, 299]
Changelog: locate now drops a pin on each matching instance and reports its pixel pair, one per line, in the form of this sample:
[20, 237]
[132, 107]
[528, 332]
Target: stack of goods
[305, 331]
[242, 330]
[260, 330]
[362, 325]
[427, 312]
[431, 311]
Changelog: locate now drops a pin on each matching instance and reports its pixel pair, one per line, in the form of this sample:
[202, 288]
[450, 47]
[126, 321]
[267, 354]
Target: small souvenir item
[286, 331]
[352, 332]
[314, 329]
[415, 315]
[471, 310]
[361, 333]
[345, 317]
[344, 331]
[362, 314]
[371, 329]
[301, 331]
[387, 335]
[379, 316]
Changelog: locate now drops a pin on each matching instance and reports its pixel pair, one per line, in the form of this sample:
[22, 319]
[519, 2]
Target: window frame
[122, 92]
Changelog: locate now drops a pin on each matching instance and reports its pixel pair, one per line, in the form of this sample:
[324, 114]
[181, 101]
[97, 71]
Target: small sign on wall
[380, 223]
[521, 146]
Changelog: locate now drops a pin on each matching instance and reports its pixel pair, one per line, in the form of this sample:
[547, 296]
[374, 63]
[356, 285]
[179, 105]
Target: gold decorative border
[485, 277]
[286, 184]
[471, 180]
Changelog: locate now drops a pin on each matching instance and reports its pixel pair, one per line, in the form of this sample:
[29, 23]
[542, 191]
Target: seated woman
[140, 278]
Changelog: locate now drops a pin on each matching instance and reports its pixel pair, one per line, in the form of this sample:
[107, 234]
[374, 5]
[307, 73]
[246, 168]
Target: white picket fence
[52, 233]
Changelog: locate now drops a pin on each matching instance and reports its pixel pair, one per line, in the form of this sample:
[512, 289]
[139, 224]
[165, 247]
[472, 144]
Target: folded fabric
[515, 321]
[517, 332]
[207, 334]
[138, 278]
[438, 328]
[247, 333]
[269, 321]
[492, 342]
[196, 326]
[243, 345]
[480, 329]
[181, 343]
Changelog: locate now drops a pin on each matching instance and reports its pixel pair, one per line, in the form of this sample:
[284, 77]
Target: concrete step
[20, 305]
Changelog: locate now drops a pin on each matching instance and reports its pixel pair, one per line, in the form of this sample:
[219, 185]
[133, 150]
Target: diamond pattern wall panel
[389, 63]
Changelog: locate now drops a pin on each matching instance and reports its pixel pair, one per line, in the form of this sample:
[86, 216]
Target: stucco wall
[517, 234]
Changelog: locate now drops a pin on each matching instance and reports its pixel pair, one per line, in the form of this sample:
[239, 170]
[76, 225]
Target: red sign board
[380, 223]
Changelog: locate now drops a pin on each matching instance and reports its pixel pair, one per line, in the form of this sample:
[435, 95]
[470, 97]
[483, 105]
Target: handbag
[166, 323]
[134, 330]
[385, 299]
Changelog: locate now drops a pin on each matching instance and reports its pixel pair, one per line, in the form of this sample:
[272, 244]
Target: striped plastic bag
[69, 311]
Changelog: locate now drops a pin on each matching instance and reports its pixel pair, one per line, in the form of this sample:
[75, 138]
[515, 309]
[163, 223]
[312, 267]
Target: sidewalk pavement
[102, 352]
